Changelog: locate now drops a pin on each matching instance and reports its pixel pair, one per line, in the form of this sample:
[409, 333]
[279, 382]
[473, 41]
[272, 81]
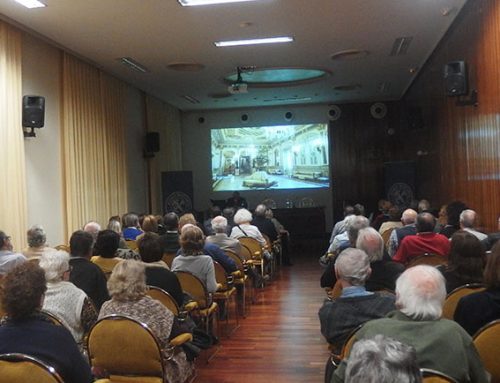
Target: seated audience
[340, 226]
[383, 216]
[115, 225]
[343, 241]
[8, 259]
[105, 249]
[236, 201]
[442, 220]
[284, 236]
[394, 221]
[356, 305]
[468, 220]
[210, 249]
[477, 309]
[354, 225]
[440, 344]
[213, 212]
[384, 272]
[220, 238]
[63, 299]
[149, 224]
[425, 241]
[193, 259]
[453, 211]
[408, 219]
[424, 206]
[36, 243]
[264, 224]
[131, 227]
[170, 240]
[85, 274]
[382, 360]
[27, 332]
[127, 286]
[465, 262]
[228, 213]
[157, 272]
[243, 227]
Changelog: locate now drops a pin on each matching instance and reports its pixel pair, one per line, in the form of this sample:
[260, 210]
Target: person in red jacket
[425, 241]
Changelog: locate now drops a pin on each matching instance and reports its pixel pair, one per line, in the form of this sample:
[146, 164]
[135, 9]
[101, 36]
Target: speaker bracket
[29, 134]
[469, 100]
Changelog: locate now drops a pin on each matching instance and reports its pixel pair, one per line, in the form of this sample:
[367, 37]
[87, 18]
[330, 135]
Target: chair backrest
[168, 258]
[246, 253]
[336, 291]
[486, 341]
[386, 235]
[124, 346]
[65, 248]
[428, 259]
[194, 287]
[433, 376]
[221, 276]
[51, 317]
[253, 245]
[451, 302]
[349, 342]
[21, 368]
[164, 297]
[236, 259]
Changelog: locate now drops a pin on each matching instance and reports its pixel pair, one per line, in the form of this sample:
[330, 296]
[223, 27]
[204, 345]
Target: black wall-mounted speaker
[455, 78]
[152, 142]
[288, 116]
[244, 117]
[33, 111]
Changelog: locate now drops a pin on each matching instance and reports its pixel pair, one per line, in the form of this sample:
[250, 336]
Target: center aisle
[280, 340]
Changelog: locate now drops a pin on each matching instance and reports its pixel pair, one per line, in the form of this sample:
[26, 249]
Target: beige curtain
[165, 119]
[93, 134]
[13, 205]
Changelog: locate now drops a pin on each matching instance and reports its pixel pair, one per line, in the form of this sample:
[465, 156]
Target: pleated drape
[13, 200]
[94, 152]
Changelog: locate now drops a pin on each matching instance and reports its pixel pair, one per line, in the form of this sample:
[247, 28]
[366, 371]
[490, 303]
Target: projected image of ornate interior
[270, 157]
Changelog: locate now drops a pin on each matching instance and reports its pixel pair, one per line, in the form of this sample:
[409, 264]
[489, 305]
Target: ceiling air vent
[191, 99]
[400, 46]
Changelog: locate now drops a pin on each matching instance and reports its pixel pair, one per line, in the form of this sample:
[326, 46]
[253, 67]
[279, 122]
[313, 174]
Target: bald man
[409, 218]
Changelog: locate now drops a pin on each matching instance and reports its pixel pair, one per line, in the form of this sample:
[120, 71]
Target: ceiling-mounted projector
[238, 88]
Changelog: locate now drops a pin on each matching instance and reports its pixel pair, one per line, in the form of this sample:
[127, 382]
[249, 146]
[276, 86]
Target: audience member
[63, 299]
[237, 201]
[213, 212]
[477, 309]
[453, 211]
[356, 305]
[131, 227]
[170, 240]
[284, 236]
[340, 226]
[264, 224]
[220, 238]
[149, 224]
[8, 259]
[115, 225]
[210, 249]
[394, 221]
[228, 213]
[127, 286]
[354, 225]
[85, 274]
[383, 216]
[465, 262]
[93, 228]
[409, 218]
[384, 272]
[243, 227]
[492, 237]
[440, 344]
[468, 223]
[425, 241]
[157, 272]
[442, 219]
[424, 206]
[382, 360]
[25, 331]
[105, 249]
[193, 259]
[36, 243]
[343, 240]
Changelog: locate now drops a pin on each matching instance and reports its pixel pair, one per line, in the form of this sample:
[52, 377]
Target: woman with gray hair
[63, 299]
[243, 228]
[127, 287]
[36, 243]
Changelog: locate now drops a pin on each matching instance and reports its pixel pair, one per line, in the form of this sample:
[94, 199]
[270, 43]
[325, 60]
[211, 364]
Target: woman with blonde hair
[127, 287]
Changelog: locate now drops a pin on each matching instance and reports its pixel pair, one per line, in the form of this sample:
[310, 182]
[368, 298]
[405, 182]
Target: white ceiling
[160, 32]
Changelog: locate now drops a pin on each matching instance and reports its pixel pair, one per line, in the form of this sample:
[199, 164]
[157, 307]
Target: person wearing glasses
[8, 258]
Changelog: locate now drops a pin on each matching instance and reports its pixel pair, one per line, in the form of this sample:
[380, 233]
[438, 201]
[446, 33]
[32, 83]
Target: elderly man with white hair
[440, 344]
[409, 218]
[468, 223]
[220, 237]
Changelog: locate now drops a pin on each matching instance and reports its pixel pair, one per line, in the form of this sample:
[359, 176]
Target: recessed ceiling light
[193, 3]
[131, 63]
[31, 3]
[267, 40]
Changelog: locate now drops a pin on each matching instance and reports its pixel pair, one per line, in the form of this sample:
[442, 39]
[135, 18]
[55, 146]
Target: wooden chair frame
[49, 371]
[433, 376]
[225, 293]
[489, 354]
[451, 301]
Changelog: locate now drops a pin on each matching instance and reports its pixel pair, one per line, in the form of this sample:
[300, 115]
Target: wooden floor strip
[280, 340]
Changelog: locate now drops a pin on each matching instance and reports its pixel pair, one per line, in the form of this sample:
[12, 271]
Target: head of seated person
[191, 240]
[150, 224]
[185, 219]
[107, 243]
[353, 225]
[56, 266]
[467, 256]
[219, 224]
[370, 241]
[260, 211]
[243, 216]
[93, 228]
[130, 220]
[23, 291]
[383, 360]
[171, 221]
[81, 244]
[36, 237]
[127, 281]
[149, 248]
[352, 267]
[425, 223]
